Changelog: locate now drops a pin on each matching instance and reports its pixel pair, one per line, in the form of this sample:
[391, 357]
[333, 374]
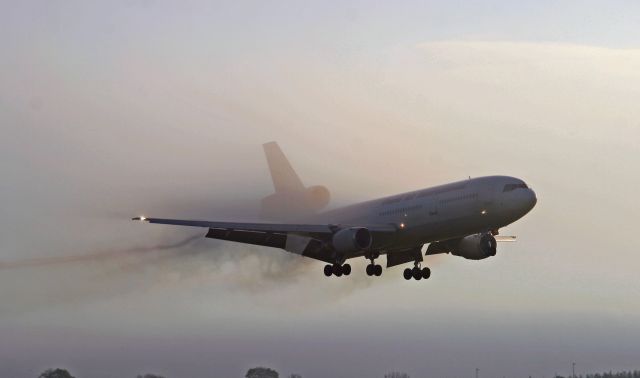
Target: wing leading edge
[266, 227]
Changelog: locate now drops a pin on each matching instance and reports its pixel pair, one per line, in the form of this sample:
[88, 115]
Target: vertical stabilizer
[284, 177]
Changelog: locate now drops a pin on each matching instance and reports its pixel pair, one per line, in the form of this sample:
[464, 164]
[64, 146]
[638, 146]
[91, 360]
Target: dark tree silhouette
[622, 374]
[56, 373]
[262, 372]
[295, 376]
[395, 374]
[149, 376]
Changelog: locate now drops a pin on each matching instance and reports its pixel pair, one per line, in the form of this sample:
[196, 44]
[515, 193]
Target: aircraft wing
[265, 227]
[304, 239]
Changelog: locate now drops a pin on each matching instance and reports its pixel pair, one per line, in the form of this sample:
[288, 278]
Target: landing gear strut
[337, 270]
[417, 273]
[374, 269]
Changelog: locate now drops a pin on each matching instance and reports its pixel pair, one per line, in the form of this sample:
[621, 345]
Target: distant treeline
[262, 372]
[620, 374]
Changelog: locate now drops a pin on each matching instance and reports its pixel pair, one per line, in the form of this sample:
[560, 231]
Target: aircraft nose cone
[532, 199]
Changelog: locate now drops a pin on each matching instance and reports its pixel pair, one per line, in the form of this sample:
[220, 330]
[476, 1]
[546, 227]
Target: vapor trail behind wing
[97, 256]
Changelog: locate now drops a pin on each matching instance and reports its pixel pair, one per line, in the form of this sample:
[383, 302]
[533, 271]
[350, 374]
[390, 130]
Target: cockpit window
[510, 187]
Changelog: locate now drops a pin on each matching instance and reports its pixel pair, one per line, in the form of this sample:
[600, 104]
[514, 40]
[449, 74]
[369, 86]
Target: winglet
[140, 218]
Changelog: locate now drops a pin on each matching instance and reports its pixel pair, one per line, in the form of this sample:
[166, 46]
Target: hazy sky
[112, 109]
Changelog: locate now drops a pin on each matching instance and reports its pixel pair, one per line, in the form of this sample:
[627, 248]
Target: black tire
[370, 270]
[417, 273]
[337, 270]
[426, 273]
[408, 274]
[328, 270]
[346, 269]
[378, 270]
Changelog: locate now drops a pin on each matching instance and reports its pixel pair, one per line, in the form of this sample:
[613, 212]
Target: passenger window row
[424, 193]
[401, 210]
[460, 198]
[431, 192]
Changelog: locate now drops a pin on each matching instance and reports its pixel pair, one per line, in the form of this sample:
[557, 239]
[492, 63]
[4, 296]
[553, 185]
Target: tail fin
[284, 177]
[291, 200]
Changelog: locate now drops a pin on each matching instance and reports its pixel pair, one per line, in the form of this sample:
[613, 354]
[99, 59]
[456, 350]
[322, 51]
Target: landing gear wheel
[328, 270]
[408, 274]
[378, 270]
[370, 270]
[426, 273]
[337, 270]
[346, 269]
[417, 273]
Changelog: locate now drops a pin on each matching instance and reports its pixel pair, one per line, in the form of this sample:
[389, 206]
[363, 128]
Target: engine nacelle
[295, 204]
[351, 239]
[476, 247]
[317, 197]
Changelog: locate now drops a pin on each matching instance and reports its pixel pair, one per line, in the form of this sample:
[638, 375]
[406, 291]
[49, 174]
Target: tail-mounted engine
[295, 204]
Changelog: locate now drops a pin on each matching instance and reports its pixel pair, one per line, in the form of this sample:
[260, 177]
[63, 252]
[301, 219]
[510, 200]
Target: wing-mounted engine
[351, 240]
[472, 247]
[476, 247]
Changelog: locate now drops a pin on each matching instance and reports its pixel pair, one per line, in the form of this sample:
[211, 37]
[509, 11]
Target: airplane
[462, 218]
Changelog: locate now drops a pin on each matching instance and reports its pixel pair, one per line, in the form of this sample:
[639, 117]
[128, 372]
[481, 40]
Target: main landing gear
[373, 269]
[416, 273]
[337, 270]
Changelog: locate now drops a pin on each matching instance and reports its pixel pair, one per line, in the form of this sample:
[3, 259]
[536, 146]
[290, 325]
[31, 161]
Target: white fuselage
[442, 212]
